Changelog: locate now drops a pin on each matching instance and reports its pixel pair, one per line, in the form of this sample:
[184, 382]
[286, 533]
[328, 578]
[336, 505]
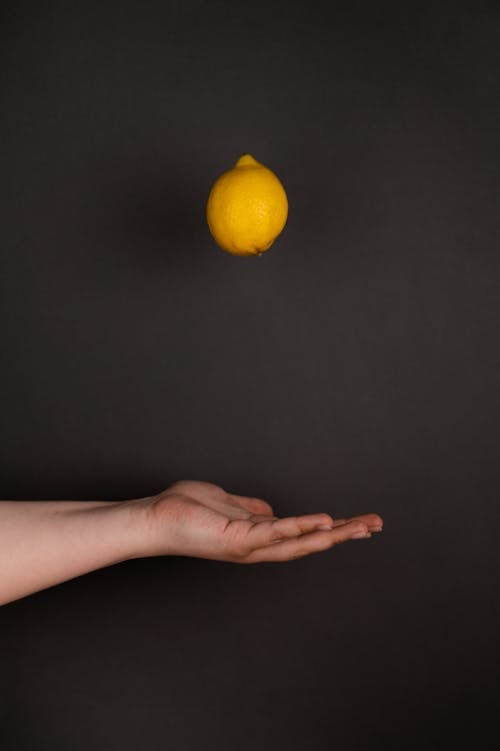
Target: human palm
[202, 520]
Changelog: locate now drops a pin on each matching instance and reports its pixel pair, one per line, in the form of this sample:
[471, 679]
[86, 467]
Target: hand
[43, 543]
[202, 520]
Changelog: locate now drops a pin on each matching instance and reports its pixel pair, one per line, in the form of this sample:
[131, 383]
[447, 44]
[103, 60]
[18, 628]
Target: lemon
[247, 208]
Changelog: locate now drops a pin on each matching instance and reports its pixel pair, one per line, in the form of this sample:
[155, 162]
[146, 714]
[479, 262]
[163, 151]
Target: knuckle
[298, 553]
[294, 524]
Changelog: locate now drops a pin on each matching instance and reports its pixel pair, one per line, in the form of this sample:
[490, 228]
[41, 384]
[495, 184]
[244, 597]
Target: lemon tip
[246, 160]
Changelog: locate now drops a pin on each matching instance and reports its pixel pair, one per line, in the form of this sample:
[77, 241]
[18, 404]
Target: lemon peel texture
[247, 208]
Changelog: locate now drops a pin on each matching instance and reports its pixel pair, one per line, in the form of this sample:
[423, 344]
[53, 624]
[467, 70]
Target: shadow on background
[151, 219]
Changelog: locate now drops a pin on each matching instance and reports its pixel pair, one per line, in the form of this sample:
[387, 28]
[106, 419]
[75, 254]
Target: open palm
[202, 520]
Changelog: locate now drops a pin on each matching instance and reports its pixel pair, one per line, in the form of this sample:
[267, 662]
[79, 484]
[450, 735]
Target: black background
[353, 367]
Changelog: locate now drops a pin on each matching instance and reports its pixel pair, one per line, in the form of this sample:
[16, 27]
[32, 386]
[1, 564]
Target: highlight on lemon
[247, 208]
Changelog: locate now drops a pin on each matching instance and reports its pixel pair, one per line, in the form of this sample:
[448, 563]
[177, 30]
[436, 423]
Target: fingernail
[360, 535]
[325, 527]
[376, 529]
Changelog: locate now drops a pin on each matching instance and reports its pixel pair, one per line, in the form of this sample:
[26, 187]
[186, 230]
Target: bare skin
[43, 543]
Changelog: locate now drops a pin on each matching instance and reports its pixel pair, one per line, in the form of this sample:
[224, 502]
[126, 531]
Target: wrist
[118, 528]
[139, 528]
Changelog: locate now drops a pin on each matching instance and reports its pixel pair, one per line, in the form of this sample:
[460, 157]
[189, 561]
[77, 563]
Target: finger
[268, 532]
[255, 505]
[372, 521]
[262, 518]
[304, 545]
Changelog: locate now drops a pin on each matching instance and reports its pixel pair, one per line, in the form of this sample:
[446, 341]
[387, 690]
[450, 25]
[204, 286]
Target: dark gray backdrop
[351, 368]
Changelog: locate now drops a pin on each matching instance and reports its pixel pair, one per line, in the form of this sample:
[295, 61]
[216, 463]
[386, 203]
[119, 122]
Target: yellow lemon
[247, 208]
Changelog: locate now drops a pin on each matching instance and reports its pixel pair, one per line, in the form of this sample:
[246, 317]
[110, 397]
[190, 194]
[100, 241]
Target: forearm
[43, 543]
